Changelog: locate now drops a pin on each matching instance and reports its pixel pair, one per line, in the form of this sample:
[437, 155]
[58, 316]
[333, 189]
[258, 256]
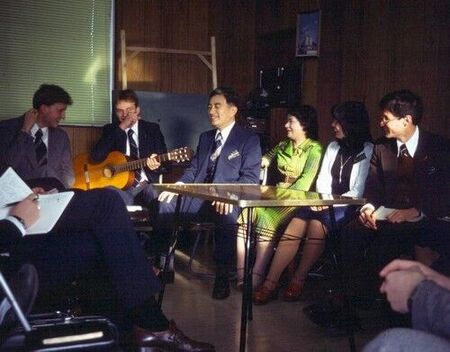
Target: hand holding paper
[13, 189]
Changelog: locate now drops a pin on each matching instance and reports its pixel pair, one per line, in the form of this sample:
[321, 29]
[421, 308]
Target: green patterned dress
[301, 164]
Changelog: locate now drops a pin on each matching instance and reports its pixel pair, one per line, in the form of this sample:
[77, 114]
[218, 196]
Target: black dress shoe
[24, 286]
[221, 288]
[171, 339]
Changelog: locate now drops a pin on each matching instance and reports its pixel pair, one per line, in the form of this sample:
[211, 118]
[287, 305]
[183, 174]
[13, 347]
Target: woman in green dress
[293, 164]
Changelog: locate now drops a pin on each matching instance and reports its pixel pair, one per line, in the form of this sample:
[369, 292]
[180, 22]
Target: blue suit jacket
[239, 160]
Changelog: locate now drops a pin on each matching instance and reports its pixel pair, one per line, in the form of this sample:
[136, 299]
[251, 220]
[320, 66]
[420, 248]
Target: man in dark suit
[408, 196]
[34, 145]
[226, 154]
[135, 138]
[95, 237]
[409, 176]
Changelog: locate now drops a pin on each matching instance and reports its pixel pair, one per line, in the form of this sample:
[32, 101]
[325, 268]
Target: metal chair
[207, 228]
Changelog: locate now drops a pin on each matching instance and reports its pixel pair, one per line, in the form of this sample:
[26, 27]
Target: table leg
[171, 251]
[335, 238]
[246, 312]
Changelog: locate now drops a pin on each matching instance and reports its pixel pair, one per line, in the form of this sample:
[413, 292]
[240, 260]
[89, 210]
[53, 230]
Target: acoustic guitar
[117, 169]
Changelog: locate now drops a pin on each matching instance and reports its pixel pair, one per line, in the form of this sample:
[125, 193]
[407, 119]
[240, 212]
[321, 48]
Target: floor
[277, 326]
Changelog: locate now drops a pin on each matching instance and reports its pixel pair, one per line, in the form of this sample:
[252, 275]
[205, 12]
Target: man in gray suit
[34, 145]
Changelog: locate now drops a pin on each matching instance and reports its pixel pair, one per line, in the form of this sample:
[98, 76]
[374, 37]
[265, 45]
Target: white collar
[35, 128]
[225, 132]
[411, 143]
[134, 128]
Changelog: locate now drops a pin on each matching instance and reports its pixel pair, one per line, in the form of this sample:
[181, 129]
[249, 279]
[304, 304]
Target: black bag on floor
[64, 333]
[57, 331]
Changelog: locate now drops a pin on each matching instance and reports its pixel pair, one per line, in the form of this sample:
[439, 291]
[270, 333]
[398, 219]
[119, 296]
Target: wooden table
[250, 197]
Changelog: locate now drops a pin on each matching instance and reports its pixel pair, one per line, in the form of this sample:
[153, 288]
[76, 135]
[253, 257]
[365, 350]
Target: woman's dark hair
[307, 116]
[354, 119]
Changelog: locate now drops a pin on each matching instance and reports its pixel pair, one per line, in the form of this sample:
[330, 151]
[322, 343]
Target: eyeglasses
[125, 112]
[385, 120]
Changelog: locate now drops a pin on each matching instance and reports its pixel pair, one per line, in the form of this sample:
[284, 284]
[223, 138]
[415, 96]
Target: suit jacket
[9, 235]
[430, 311]
[113, 138]
[17, 151]
[431, 174]
[238, 162]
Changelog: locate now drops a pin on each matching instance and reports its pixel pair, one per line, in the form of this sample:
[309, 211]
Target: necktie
[403, 152]
[40, 148]
[213, 158]
[134, 154]
[405, 194]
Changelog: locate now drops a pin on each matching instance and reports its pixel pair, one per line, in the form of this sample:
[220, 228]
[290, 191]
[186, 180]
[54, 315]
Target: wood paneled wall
[368, 48]
[174, 24]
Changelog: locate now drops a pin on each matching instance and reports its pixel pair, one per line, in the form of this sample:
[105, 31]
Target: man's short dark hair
[401, 103]
[128, 95]
[230, 95]
[49, 94]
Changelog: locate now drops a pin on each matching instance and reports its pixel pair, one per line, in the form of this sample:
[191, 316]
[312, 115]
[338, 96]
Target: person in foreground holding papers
[34, 144]
[228, 153]
[95, 237]
[415, 288]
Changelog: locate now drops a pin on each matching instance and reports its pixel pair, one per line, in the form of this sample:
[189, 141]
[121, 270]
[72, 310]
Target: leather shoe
[221, 288]
[264, 295]
[24, 286]
[171, 339]
[293, 291]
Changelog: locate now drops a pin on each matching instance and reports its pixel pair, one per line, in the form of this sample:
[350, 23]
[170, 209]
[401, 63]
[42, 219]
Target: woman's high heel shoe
[264, 295]
[293, 291]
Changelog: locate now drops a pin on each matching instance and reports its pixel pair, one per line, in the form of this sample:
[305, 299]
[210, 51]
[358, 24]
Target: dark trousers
[194, 209]
[365, 252]
[94, 236]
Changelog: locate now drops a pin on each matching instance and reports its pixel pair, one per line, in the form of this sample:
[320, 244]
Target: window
[68, 43]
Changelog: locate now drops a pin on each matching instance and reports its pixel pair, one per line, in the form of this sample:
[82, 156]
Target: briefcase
[59, 332]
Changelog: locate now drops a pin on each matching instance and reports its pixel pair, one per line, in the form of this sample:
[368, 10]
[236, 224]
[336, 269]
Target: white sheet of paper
[14, 189]
[382, 213]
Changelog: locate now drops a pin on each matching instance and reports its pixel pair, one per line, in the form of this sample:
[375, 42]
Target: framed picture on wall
[308, 34]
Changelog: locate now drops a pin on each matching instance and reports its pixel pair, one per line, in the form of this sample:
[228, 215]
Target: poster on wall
[308, 34]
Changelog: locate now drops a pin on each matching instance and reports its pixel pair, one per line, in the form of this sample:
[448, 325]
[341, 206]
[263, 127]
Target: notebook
[14, 189]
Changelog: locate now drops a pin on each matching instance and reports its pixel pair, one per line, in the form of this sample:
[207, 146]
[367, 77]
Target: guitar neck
[139, 163]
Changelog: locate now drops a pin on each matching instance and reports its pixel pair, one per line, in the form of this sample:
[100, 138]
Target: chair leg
[194, 249]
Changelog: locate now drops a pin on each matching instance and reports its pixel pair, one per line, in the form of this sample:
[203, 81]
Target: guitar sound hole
[108, 172]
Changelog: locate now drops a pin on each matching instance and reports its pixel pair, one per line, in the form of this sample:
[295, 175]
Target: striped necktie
[213, 158]
[40, 148]
[134, 154]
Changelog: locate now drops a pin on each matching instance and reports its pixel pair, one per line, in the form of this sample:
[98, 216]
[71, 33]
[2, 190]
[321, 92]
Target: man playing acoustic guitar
[135, 138]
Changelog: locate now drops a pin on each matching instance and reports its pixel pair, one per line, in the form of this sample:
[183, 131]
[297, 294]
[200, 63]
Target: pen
[15, 203]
